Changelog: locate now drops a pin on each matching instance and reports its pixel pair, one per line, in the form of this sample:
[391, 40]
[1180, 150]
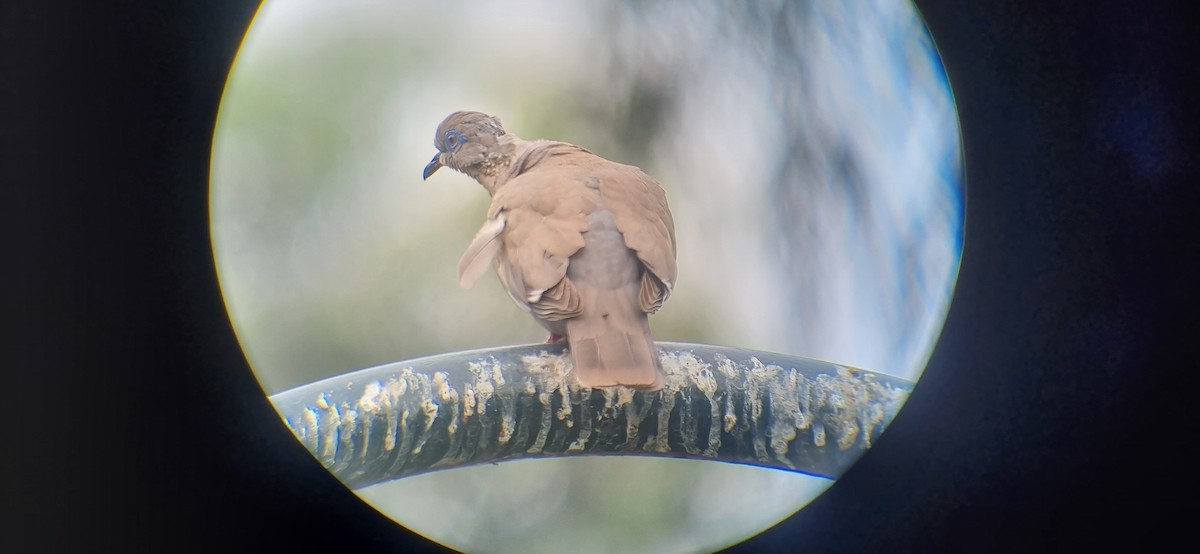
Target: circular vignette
[815, 173]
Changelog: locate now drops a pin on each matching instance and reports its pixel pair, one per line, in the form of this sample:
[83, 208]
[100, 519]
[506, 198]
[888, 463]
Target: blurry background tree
[809, 150]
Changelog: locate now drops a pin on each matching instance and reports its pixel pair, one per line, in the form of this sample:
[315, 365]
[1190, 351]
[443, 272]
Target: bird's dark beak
[434, 165]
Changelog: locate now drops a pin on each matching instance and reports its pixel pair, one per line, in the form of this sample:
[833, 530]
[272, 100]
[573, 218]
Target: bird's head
[468, 142]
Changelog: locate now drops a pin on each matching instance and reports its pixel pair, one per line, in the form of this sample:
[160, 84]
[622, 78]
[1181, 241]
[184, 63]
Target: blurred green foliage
[333, 254]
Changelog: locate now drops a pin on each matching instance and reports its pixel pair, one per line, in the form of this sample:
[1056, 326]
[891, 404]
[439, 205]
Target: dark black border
[1055, 414]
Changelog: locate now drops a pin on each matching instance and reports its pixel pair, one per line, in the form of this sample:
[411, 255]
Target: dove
[584, 244]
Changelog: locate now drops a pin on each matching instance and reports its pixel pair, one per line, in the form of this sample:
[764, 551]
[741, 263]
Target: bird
[584, 244]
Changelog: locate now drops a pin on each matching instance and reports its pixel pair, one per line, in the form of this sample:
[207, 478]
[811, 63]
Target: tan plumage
[586, 245]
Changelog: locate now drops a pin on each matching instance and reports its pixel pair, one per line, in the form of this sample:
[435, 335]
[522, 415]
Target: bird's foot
[553, 338]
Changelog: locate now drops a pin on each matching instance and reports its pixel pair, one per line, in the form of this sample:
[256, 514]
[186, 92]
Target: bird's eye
[453, 140]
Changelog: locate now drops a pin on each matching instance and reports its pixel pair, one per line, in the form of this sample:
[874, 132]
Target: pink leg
[554, 337]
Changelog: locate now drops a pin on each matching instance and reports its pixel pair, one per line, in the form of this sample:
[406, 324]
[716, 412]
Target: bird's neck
[519, 156]
[497, 166]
